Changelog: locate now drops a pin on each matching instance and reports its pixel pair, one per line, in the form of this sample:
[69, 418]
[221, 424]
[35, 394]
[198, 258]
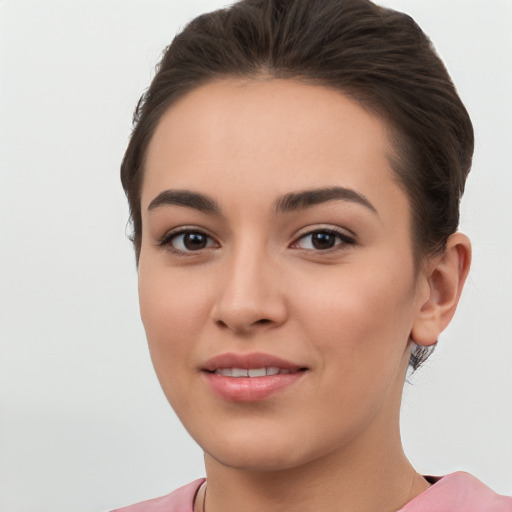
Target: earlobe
[446, 277]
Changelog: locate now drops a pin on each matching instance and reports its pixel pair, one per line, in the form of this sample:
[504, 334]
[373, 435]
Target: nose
[250, 296]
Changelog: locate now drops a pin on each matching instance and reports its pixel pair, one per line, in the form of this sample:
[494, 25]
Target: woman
[294, 178]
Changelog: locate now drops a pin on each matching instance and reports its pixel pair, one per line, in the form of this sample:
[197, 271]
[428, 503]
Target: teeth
[257, 372]
[253, 372]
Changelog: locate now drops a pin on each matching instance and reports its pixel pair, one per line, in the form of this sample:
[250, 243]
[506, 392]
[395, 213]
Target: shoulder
[180, 500]
[459, 492]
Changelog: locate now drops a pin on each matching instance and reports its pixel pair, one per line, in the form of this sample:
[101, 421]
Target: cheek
[360, 317]
[172, 310]
[172, 313]
[359, 330]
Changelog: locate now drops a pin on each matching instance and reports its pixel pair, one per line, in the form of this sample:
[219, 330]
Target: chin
[264, 449]
[259, 460]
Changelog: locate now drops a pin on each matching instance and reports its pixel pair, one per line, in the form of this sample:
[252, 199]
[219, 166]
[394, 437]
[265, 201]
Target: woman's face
[276, 278]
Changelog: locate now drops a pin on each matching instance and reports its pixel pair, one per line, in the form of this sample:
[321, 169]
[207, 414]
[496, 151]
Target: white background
[84, 425]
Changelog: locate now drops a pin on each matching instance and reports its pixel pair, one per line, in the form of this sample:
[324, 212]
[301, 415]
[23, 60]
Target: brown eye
[188, 241]
[194, 241]
[323, 240]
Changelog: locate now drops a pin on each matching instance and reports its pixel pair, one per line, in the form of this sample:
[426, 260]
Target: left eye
[322, 240]
[189, 241]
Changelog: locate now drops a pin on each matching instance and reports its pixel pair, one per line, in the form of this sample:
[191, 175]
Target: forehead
[267, 133]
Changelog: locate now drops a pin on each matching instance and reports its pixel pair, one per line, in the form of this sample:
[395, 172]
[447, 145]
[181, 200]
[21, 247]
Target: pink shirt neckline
[456, 492]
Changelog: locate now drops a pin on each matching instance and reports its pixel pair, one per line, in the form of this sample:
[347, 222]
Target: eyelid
[346, 239]
[166, 240]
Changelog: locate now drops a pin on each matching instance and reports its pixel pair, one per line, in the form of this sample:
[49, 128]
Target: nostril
[220, 323]
[242, 323]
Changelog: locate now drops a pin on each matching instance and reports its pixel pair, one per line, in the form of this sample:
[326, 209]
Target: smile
[250, 377]
[252, 372]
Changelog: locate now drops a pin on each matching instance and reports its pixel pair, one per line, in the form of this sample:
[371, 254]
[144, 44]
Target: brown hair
[377, 56]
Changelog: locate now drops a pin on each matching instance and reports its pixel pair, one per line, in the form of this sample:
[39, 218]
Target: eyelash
[343, 238]
[167, 240]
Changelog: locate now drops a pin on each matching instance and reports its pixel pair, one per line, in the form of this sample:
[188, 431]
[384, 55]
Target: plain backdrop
[84, 425]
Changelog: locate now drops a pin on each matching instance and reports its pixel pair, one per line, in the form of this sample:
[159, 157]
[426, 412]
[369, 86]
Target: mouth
[250, 377]
[254, 372]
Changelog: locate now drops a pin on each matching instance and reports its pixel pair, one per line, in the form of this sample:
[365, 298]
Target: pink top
[458, 492]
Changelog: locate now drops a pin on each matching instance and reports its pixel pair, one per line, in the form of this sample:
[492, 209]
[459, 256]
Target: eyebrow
[187, 199]
[293, 201]
[307, 198]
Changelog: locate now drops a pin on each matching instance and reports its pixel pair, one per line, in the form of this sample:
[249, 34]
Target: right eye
[188, 241]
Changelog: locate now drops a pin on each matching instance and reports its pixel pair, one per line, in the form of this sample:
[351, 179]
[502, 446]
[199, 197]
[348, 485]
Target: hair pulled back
[377, 56]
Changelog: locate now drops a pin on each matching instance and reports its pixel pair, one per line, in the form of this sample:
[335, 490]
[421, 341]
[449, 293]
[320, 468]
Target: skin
[331, 440]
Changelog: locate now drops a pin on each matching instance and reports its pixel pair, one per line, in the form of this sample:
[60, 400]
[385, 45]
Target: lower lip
[250, 389]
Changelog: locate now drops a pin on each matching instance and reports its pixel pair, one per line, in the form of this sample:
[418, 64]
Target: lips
[250, 377]
[252, 372]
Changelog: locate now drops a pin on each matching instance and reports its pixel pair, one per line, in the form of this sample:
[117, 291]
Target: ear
[445, 275]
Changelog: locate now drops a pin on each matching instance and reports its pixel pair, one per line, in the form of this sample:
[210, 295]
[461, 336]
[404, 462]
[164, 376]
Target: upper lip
[249, 361]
